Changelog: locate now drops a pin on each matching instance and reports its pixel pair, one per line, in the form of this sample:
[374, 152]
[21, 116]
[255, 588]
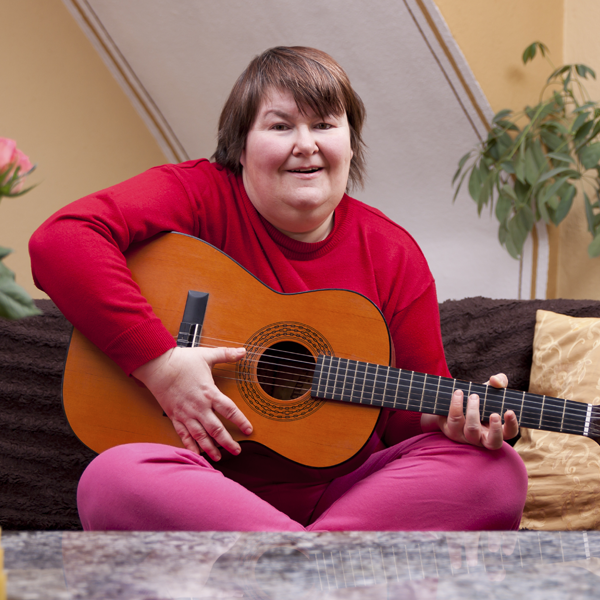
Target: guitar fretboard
[365, 383]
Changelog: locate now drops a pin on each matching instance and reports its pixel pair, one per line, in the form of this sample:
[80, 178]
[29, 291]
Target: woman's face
[295, 166]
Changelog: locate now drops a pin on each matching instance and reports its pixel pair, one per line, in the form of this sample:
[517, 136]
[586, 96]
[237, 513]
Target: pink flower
[7, 150]
[11, 159]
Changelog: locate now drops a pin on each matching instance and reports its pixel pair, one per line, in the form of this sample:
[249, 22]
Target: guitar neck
[365, 383]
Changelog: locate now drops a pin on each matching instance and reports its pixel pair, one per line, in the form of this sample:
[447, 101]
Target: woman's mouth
[306, 170]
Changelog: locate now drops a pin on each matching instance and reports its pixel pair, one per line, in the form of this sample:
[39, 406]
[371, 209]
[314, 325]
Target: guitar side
[105, 408]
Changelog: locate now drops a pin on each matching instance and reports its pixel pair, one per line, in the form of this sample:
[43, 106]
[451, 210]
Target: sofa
[41, 459]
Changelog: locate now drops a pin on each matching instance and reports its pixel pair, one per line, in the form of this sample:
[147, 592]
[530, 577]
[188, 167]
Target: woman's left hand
[468, 428]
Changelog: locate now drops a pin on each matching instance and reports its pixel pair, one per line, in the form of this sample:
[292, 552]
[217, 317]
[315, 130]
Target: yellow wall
[578, 275]
[67, 113]
[492, 35]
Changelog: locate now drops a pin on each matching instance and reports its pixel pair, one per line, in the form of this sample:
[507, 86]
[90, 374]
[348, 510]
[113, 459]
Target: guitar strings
[567, 423]
[513, 395]
[569, 426]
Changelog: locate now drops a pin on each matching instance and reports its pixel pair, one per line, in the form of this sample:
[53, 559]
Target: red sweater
[77, 259]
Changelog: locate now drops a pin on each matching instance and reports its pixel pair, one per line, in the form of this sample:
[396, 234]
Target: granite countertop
[311, 566]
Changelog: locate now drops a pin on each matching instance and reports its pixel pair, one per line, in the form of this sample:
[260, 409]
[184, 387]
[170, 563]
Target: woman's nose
[305, 142]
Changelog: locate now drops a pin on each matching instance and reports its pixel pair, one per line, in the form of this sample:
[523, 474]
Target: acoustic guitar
[314, 378]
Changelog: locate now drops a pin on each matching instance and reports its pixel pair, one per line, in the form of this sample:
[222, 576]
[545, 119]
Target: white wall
[188, 54]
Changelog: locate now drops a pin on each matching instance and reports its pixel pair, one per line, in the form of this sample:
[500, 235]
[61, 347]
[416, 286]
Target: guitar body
[106, 408]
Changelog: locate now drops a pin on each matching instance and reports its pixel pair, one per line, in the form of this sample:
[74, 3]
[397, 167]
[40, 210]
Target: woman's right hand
[181, 381]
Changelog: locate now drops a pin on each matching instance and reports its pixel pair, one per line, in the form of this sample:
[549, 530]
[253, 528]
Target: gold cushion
[564, 470]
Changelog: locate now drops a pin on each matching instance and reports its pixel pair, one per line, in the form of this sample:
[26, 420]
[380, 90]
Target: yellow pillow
[564, 470]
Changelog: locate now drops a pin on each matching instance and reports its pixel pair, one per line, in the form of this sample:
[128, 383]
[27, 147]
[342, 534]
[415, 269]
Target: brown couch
[41, 459]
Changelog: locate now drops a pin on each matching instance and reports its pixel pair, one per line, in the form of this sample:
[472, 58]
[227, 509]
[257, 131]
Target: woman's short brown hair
[315, 81]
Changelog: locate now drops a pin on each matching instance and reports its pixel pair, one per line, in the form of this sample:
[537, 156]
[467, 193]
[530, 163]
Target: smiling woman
[296, 165]
[274, 200]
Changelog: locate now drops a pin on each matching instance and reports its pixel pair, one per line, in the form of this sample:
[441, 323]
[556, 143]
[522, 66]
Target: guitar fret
[503, 401]
[484, 402]
[542, 412]
[374, 384]
[522, 403]
[343, 392]
[338, 392]
[437, 393]
[412, 374]
[423, 393]
[370, 382]
[562, 420]
[385, 392]
[397, 387]
[352, 364]
[328, 374]
[320, 367]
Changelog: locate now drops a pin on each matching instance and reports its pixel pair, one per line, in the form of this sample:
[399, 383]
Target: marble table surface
[316, 566]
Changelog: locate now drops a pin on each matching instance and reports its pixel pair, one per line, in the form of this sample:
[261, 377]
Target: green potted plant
[532, 163]
[15, 302]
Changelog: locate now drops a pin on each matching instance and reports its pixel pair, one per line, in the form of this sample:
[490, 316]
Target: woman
[289, 145]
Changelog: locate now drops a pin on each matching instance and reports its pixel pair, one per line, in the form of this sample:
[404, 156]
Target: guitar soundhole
[285, 370]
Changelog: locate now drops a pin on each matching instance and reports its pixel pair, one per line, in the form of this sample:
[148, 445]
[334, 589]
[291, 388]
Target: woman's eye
[279, 127]
[324, 126]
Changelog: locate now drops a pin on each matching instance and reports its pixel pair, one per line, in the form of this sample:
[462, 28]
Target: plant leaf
[543, 209]
[589, 213]
[565, 204]
[590, 155]
[595, 131]
[594, 247]
[531, 170]
[581, 118]
[461, 164]
[475, 183]
[583, 70]
[508, 167]
[553, 141]
[503, 205]
[583, 131]
[567, 80]
[500, 115]
[557, 171]
[15, 302]
[562, 156]
[558, 72]
[529, 53]
[518, 235]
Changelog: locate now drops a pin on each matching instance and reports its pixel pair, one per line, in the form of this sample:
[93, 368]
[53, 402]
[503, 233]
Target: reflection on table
[269, 566]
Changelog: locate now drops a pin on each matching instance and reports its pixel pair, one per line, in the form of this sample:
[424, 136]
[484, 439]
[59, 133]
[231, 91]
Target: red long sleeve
[77, 258]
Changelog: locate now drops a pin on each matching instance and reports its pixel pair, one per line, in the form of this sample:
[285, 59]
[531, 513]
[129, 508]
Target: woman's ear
[243, 157]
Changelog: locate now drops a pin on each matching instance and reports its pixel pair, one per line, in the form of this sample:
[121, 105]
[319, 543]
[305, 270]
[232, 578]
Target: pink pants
[426, 482]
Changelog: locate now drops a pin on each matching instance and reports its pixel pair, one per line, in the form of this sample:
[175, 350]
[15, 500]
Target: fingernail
[247, 431]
